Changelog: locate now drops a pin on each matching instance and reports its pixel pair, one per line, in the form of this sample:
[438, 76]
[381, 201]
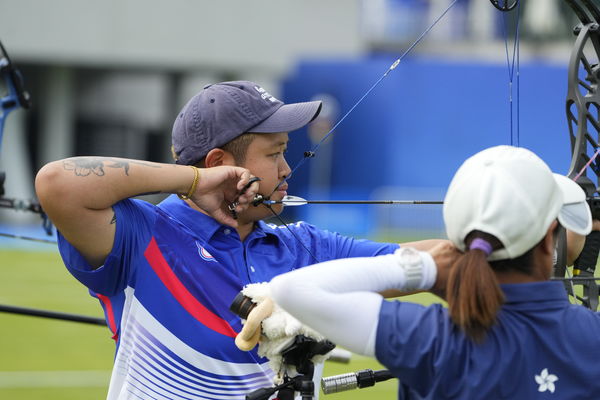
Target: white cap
[510, 193]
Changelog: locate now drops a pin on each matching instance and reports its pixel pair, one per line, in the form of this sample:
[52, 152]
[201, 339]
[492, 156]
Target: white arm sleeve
[336, 297]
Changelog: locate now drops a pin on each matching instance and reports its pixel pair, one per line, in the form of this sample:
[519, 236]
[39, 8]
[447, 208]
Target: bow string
[266, 200]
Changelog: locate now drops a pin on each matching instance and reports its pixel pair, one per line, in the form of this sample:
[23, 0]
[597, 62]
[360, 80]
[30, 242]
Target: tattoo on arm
[84, 166]
[113, 219]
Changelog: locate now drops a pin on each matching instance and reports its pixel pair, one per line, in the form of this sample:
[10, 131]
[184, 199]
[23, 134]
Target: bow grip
[585, 266]
[589, 255]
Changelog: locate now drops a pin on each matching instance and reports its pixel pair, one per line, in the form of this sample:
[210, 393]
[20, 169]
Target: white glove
[279, 329]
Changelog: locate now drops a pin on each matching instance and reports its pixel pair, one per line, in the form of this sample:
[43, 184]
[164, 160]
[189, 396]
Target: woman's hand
[445, 255]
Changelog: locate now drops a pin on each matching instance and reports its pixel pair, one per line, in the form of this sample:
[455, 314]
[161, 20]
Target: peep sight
[258, 199]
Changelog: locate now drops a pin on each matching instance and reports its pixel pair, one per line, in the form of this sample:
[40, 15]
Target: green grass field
[56, 360]
[43, 358]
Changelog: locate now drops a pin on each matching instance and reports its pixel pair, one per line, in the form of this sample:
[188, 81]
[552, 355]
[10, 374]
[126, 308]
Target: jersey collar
[536, 294]
[201, 224]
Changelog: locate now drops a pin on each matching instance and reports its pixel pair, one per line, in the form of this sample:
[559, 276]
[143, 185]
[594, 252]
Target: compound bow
[15, 98]
[582, 108]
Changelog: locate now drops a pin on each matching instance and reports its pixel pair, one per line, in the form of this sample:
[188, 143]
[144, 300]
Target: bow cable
[510, 63]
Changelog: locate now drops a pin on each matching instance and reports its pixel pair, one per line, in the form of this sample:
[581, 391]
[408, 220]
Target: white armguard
[333, 297]
[419, 269]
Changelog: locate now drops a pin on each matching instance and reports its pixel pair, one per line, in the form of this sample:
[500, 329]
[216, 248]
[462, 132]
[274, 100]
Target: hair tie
[481, 244]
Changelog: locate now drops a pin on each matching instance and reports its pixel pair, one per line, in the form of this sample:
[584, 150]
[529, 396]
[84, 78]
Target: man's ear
[217, 157]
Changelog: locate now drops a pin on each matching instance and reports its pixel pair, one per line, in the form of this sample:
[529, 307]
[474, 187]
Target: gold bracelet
[194, 184]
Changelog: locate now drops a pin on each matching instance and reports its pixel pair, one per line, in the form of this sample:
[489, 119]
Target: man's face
[265, 158]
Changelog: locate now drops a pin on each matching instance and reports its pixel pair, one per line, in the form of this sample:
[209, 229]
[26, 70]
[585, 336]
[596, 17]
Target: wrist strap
[419, 268]
[194, 184]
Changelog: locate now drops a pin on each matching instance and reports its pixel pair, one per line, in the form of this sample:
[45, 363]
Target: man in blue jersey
[166, 275]
[508, 332]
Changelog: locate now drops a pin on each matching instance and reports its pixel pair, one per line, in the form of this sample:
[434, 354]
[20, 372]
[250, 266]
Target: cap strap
[481, 244]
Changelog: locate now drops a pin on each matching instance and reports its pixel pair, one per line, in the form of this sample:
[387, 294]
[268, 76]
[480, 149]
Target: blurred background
[108, 78]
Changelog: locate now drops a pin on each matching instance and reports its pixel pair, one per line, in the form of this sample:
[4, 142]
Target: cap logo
[264, 94]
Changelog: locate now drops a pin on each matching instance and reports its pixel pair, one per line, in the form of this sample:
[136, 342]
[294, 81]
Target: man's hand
[445, 255]
[219, 186]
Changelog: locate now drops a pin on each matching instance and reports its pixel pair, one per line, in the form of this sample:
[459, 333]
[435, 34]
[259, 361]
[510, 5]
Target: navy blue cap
[223, 111]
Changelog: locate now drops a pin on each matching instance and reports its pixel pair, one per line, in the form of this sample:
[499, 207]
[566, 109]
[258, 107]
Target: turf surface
[55, 360]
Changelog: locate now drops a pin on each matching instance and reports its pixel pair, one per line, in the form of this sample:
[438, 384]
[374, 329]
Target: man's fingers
[248, 189]
[247, 186]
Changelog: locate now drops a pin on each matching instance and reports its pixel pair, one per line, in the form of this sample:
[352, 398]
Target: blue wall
[425, 118]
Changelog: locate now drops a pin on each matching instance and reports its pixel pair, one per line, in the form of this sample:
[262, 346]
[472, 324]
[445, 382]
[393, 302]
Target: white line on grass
[29, 379]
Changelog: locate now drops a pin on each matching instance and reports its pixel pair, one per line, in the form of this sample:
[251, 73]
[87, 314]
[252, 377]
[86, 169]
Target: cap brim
[289, 117]
[575, 213]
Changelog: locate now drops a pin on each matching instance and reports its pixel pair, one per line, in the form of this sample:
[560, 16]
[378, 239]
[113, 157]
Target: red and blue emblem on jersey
[204, 254]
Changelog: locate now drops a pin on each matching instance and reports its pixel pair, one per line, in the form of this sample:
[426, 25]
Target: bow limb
[583, 117]
[17, 96]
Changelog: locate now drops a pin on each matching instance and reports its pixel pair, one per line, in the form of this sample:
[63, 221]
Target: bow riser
[17, 96]
[583, 118]
[586, 107]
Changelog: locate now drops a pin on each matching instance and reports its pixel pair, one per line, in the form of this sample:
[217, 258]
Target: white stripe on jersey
[143, 369]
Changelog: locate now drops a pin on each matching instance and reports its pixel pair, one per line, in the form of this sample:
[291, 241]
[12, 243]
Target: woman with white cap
[508, 331]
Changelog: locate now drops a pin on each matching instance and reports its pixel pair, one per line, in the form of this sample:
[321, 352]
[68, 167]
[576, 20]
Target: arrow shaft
[33, 239]
[52, 314]
[294, 202]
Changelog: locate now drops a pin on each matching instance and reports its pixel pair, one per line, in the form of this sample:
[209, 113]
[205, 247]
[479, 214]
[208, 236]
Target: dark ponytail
[473, 294]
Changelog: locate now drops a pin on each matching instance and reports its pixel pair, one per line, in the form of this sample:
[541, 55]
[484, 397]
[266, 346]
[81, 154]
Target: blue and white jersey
[542, 347]
[166, 288]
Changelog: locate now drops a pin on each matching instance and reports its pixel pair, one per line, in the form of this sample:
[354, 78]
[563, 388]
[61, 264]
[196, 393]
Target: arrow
[52, 314]
[299, 201]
